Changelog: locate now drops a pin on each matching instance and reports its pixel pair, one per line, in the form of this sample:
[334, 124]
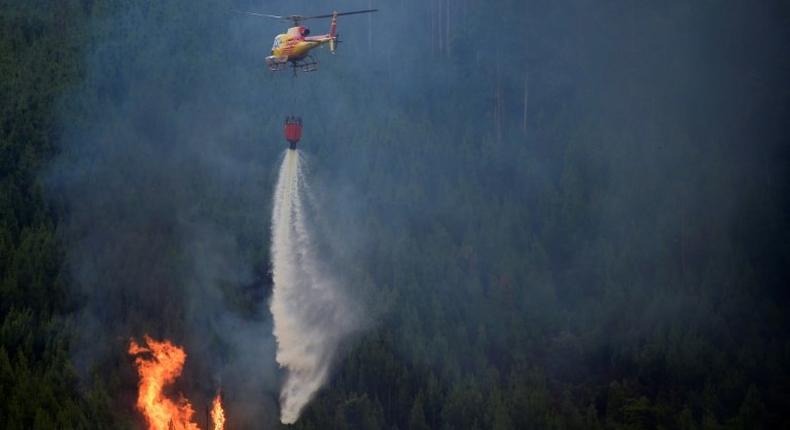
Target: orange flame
[159, 364]
[217, 413]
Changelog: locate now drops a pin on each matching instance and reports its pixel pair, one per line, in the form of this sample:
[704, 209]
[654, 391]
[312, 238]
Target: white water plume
[311, 316]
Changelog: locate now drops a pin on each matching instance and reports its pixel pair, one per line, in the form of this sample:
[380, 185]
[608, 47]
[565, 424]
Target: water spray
[311, 315]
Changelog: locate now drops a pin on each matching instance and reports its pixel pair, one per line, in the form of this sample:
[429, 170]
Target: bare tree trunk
[447, 30]
[433, 25]
[370, 28]
[526, 100]
[683, 251]
[498, 110]
[440, 26]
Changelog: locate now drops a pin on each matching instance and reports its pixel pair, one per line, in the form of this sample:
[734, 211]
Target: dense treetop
[555, 214]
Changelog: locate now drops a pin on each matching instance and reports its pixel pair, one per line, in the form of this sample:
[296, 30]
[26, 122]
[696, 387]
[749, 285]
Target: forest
[549, 214]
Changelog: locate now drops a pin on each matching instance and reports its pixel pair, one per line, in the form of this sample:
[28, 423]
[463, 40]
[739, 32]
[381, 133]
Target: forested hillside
[568, 215]
[40, 58]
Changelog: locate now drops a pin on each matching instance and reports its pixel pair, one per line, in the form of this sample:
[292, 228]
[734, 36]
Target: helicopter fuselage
[295, 45]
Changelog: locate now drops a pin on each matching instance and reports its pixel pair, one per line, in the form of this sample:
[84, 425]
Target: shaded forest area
[566, 215]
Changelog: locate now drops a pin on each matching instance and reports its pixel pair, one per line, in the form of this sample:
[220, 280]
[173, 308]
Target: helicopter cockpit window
[277, 41]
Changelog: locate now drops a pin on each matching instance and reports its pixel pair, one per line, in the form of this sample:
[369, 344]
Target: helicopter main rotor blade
[265, 15]
[341, 14]
[296, 19]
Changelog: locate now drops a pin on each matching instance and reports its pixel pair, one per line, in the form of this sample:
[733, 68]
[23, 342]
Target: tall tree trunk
[432, 7]
[526, 100]
[447, 30]
[498, 103]
[439, 26]
[370, 28]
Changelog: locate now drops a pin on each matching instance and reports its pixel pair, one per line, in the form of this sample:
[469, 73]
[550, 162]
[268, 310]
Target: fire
[159, 364]
[217, 413]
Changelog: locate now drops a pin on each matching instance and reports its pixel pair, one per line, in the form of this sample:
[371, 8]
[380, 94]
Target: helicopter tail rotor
[333, 33]
[333, 44]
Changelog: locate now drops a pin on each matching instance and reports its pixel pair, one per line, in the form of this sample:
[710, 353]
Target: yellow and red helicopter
[293, 47]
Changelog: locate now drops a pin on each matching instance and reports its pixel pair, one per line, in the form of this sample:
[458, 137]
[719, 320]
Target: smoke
[158, 185]
[311, 315]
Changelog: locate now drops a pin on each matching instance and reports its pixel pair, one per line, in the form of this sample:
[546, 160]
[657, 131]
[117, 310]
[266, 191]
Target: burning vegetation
[159, 364]
[217, 413]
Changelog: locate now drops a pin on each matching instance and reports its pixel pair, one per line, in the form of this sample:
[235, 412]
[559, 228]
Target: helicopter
[293, 47]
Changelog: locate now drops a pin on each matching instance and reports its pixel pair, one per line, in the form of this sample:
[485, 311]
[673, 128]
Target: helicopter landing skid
[276, 66]
[306, 64]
